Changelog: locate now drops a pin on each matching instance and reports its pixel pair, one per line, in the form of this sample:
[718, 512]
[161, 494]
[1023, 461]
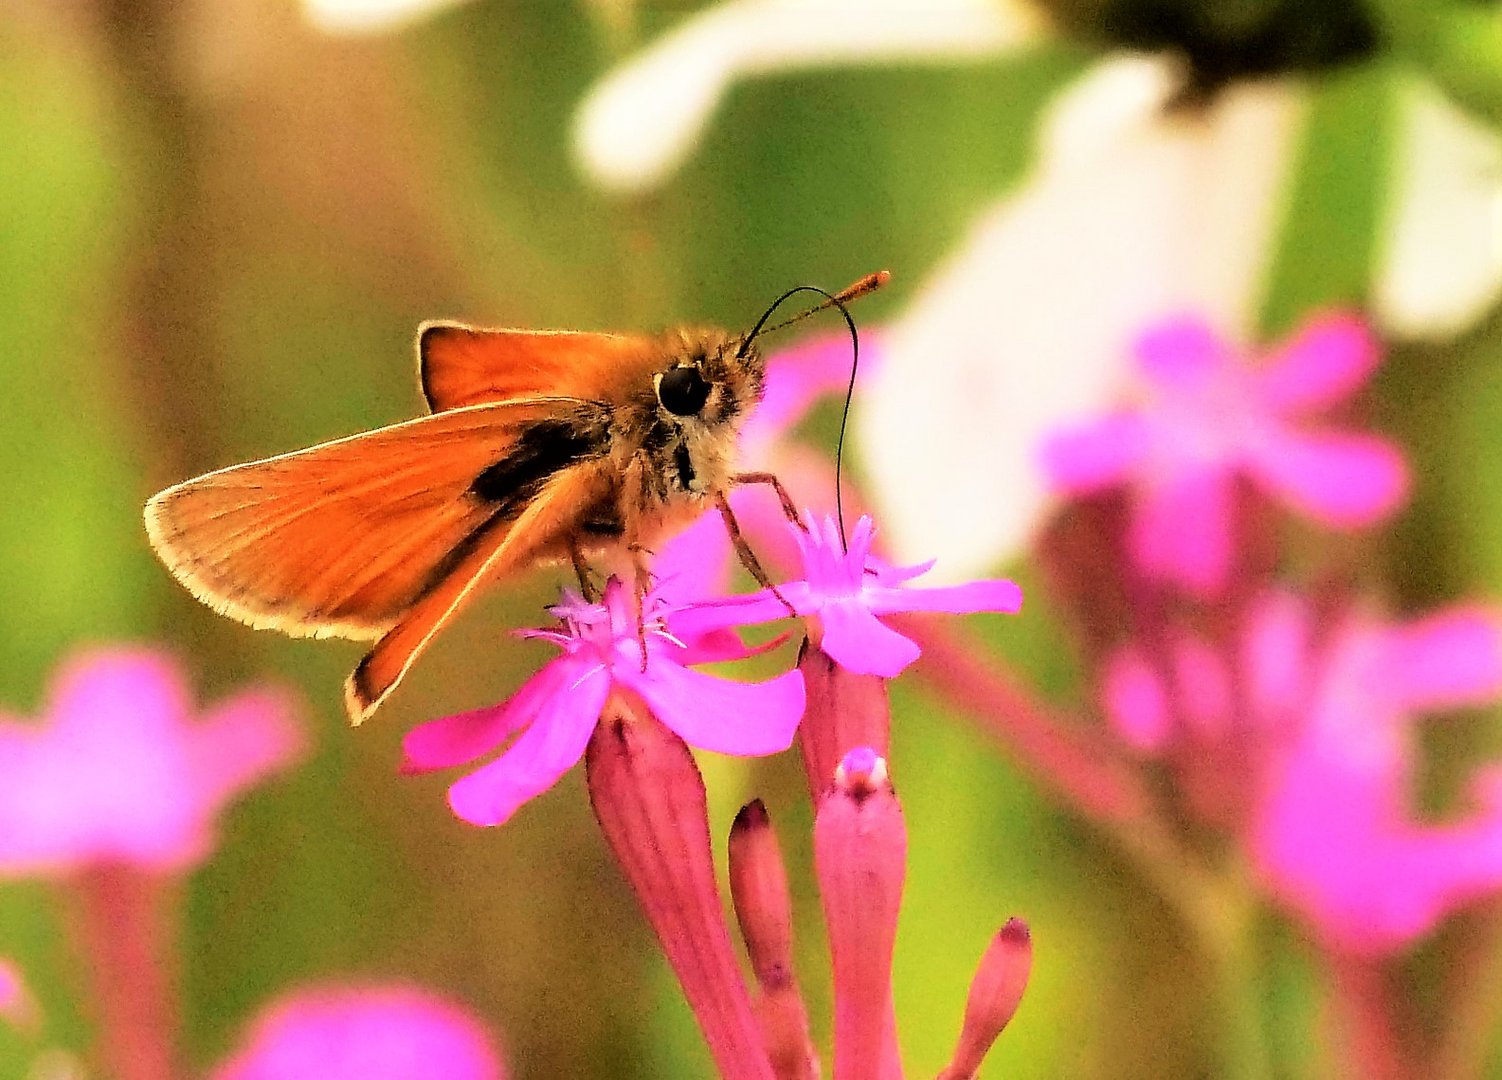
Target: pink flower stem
[123, 928]
[1080, 769]
[1362, 1014]
[648, 797]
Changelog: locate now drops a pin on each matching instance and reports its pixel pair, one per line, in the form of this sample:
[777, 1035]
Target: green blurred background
[218, 231]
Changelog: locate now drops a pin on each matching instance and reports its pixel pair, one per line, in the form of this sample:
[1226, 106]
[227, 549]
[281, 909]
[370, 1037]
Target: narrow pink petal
[1099, 455]
[467, 736]
[695, 564]
[364, 1033]
[728, 717]
[1343, 480]
[16, 1005]
[1181, 353]
[544, 752]
[1447, 660]
[991, 595]
[750, 609]
[1134, 700]
[251, 735]
[859, 642]
[136, 687]
[1275, 659]
[1327, 361]
[1181, 530]
[1204, 687]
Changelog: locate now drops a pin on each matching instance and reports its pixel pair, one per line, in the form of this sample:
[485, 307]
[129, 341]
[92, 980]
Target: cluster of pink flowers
[113, 796]
[625, 698]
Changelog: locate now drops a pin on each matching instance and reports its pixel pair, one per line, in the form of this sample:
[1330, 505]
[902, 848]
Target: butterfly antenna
[860, 288]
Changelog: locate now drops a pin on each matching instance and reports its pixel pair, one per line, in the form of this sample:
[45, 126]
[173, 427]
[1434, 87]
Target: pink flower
[554, 713]
[1326, 722]
[379, 1033]
[1335, 834]
[15, 1003]
[843, 591]
[1207, 419]
[118, 772]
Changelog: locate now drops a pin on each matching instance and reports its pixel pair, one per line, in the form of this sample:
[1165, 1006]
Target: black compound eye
[682, 391]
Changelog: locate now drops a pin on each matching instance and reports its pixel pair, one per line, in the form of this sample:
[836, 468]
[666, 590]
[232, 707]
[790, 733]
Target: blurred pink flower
[1334, 833]
[556, 710]
[844, 590]
[1326, 721]
[15, 1002]
[1207, 418]
[118, 772]
[377, 1033]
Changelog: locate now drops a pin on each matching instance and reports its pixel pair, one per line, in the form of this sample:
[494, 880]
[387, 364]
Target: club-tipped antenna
[854, 291]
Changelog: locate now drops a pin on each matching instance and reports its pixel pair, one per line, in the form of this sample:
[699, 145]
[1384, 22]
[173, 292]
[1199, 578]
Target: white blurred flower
[1128, 217]
[643, 119]
[1133, 210]
[1442, 249]
[369, 16]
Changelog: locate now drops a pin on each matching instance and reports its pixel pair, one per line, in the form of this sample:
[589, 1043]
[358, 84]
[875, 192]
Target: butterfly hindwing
[344, 538]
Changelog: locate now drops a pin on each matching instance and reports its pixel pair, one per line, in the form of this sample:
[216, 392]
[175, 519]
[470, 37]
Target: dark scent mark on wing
[541, 450]
[685, 466]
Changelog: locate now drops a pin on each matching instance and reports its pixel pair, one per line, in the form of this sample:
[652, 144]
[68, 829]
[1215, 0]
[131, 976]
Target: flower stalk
[649, 799]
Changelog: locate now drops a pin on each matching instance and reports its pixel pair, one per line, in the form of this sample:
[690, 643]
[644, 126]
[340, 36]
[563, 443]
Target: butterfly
[541, 446]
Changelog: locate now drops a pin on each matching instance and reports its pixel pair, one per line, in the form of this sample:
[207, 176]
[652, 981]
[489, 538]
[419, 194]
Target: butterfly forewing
[464, 365]
[344, 538]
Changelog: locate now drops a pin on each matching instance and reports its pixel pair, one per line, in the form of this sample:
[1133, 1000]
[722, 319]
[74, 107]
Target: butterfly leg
[641, 582]
[789, 507]
[582, 570]
[745, 554]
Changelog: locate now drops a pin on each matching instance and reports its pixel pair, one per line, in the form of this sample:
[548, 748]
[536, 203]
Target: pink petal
[728, 717]
[992, 595]
[464, 737]
[859, 643]
[544, 752]
[1275, 659]
[1329, 359]
[1340, 849]
[1448, 660]
[15, 1002]
[375, 1033]
[1343, 480]
[137, 688]
[250, 736]
[1181, 530]
[1182, 353]
[1096, 456]
[1135, 702]
[695, 564]
[798, 377]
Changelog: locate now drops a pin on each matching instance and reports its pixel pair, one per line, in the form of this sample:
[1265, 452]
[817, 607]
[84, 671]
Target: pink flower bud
[759, 889]
[995, 994]
[860, 855]
[843, 711]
